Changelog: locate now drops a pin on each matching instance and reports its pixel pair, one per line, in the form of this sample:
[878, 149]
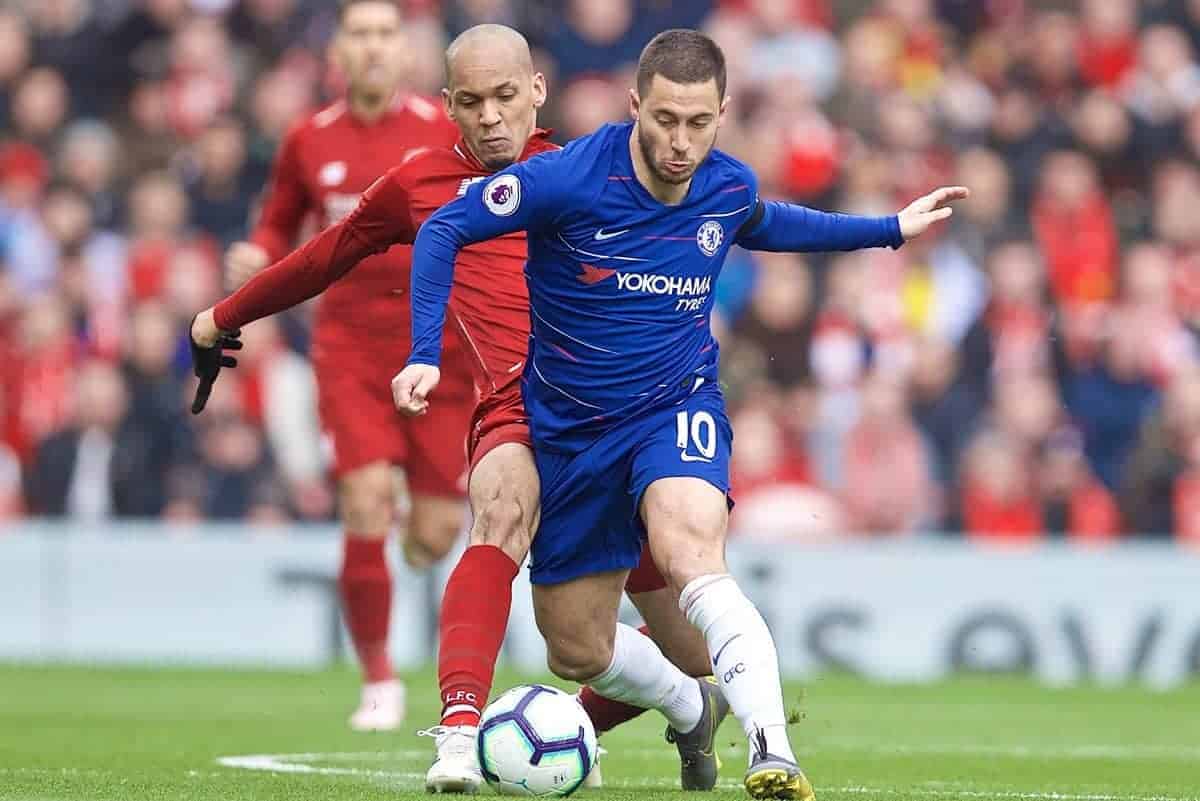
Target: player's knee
[422, 554]
[431, 536]
[417, 555]
[578, 660]
[505, 523]
[442, 538]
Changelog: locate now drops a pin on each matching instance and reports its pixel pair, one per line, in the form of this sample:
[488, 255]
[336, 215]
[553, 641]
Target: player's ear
[446, 103]
[539, 90]
[635, 103]
[721, 113]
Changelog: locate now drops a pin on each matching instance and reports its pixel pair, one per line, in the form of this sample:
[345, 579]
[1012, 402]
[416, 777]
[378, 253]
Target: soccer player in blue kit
[627, 229]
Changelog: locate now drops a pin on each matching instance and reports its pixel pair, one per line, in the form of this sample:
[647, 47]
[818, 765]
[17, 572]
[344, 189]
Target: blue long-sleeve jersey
[620, 285]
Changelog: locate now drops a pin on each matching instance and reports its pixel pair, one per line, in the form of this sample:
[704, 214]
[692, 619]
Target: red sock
[366, 589]
[474, 618]
[607, 714]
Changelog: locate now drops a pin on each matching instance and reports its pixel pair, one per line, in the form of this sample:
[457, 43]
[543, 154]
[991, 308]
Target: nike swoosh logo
[721, 650]
[602, 235]
[687, 457]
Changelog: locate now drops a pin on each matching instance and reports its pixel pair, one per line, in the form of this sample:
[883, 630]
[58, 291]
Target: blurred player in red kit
[361, 336]
[493, 96]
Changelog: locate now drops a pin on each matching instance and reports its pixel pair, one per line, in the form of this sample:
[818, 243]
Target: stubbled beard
[498, 163]
[647, 148]
[495, 163]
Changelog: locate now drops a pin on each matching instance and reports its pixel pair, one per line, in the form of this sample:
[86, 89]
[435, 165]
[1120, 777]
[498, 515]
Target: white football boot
[381, 707]
[455, 767]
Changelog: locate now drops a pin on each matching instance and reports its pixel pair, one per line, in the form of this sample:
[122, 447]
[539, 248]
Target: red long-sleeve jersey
[323, 166]
[490, 302]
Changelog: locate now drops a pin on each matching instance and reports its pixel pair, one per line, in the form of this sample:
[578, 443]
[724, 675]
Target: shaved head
[492, 92]
[488, 43]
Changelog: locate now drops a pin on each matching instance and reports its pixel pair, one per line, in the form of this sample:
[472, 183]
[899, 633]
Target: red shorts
[645, 577]
[357, 414]
[498, 419]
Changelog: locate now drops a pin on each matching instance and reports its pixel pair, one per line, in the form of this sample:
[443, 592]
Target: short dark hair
[346, 5]
[681, 55]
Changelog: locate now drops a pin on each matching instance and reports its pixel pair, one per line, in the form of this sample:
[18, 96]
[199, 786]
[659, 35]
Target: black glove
[207, 364]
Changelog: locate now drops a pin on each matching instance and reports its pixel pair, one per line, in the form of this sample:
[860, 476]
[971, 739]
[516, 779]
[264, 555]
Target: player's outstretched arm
[523, 197]
[788, 227]
[916, 217]
[435, 251]
[381, 219]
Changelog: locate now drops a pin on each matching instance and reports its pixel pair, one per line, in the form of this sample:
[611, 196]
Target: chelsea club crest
[709, 237]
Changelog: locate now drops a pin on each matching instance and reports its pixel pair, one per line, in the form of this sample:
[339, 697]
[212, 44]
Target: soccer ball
[536, 740]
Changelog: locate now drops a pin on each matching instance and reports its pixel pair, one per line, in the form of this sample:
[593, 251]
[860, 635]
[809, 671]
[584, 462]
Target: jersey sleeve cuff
[893, 228]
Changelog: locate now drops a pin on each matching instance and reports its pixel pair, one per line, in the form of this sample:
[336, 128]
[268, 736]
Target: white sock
[744, 659]
[641, 676]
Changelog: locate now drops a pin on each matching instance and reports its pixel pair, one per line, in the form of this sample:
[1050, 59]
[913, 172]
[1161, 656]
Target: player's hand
[242, 261]
[916, 217]
[209, 344]
[411, 388]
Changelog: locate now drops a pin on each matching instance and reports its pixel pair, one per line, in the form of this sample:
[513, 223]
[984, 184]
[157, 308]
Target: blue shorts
[591, 499]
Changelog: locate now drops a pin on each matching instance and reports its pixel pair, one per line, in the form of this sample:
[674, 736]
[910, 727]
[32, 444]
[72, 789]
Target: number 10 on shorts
[697, 430]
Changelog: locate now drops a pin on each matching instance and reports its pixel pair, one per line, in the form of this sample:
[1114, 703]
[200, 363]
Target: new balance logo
[602, 235]
[466, 184]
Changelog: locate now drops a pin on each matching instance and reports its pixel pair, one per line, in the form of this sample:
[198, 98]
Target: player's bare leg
[585, 643]
[504, 492]
[687, 520]
[365, 584]
[577, 619]
[679, 641]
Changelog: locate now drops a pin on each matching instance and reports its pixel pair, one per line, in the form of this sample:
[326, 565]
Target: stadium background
[1031, 371]
[1028, 376]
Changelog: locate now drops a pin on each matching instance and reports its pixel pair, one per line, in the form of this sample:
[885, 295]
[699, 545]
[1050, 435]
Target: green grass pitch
[134, 735]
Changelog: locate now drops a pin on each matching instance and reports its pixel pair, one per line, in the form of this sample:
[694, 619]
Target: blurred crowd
[1031, 371]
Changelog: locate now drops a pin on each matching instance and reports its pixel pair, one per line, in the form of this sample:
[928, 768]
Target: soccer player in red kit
[361, 337]
[493, 96]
